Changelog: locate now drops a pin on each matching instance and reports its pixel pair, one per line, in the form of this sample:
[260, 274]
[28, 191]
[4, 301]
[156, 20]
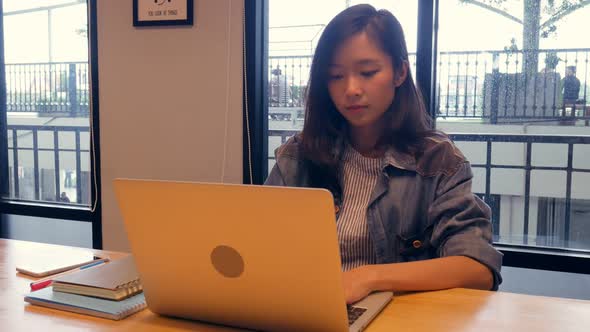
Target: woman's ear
[401, 75]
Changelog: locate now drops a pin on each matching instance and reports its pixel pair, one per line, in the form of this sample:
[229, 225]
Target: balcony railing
[495, 86]
[49, 163]
[553, 225]
[288, 76]
[48, 88]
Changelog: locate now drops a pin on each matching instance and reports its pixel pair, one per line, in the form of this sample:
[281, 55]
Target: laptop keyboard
[354, 313]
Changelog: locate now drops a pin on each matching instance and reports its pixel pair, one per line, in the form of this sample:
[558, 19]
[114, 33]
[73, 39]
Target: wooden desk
[450, 310]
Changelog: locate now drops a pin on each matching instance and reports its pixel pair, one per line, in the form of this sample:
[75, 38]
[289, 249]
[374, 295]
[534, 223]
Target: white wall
[165, 94]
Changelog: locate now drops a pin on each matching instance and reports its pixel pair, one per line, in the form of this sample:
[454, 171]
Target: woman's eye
[335, 77]
[369, 73]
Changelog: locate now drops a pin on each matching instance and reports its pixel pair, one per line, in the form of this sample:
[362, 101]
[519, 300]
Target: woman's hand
[357, 283]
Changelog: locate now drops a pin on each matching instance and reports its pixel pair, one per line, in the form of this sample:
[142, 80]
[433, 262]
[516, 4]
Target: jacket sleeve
[275, 178]
[461, 222]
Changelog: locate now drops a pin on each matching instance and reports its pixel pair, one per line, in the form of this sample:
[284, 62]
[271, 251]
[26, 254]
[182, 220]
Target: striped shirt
[358, 179]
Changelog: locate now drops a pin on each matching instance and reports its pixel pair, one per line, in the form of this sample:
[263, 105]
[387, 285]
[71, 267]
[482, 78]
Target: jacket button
[417, 244]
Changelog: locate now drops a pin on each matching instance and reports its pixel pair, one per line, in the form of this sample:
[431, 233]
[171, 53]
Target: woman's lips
[356, 108]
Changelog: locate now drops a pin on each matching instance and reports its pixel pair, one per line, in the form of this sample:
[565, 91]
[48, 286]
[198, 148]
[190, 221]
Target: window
[514, 98]
[46, 140]
[524, 84]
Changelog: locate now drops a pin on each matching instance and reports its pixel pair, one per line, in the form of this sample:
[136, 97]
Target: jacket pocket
[416, 246]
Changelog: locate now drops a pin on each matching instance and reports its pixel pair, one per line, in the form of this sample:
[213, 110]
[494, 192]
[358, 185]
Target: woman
[406, 217]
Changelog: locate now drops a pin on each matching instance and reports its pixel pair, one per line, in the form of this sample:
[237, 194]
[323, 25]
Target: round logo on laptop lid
[227, 261]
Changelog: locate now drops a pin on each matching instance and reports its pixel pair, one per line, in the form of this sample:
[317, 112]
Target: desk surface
[449, 310]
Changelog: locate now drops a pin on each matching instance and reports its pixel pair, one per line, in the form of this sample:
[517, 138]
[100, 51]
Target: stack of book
[112, 290]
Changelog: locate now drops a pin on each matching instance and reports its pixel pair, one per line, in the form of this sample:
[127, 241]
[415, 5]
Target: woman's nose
[353, 87]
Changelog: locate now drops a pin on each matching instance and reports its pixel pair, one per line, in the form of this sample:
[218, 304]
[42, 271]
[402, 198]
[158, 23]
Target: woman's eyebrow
[368, 62]
[360, 62]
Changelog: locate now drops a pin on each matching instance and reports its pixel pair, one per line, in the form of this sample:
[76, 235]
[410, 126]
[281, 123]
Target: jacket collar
[392, 157]
[398, 159]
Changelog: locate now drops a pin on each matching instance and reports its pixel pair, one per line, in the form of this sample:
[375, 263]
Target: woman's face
[362, 82]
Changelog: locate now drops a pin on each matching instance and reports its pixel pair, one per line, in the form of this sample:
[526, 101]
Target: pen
[42, 283]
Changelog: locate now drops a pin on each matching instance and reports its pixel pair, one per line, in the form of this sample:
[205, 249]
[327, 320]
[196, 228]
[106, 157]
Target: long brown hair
[324, 126]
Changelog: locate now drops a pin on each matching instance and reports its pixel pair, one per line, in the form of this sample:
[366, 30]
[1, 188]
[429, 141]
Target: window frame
[255, 87]
[46, 210]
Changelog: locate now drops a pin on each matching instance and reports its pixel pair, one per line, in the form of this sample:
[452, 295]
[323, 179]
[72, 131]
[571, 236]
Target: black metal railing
[40, 180]
[512, 86]
[288, 76]
[548, 238]
[496, 86]
[557, 233]
[48, 88]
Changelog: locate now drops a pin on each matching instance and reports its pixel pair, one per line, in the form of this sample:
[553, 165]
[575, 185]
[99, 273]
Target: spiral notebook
[116, 280]
[87, 305]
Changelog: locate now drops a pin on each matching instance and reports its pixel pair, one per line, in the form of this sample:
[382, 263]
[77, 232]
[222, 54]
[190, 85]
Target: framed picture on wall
[162, 12]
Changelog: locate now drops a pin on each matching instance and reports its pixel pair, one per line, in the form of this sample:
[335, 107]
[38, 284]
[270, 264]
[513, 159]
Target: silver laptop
[258, 257]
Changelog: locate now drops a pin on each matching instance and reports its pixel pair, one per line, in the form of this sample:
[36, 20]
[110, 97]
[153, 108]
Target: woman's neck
[366, 142]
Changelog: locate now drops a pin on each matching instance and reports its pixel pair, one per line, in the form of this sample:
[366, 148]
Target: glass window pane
[47, 92]
[579, 228]
[67, 140]
[479, 180]
[523, 85]
[475, 152]
[582, 156]
[25, 175]
[24, 139]
[580, 185]
[550, 155]
[513, 154]
[45, 139]
[47, 176]
[548, 183]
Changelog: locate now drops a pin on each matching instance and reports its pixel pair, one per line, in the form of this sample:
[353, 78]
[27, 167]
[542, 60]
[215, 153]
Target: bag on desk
[87, 305]
[116, 280]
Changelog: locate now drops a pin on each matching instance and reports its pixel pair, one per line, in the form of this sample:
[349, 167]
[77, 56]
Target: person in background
[63, 197]
[407, 219]
[571, 86]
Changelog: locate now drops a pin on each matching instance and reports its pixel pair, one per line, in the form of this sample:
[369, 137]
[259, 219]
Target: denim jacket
[419, 209]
